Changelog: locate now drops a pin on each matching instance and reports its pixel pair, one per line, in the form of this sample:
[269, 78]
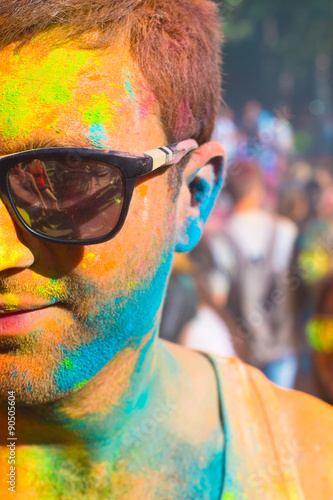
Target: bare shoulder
[311, 419]
[311, 423]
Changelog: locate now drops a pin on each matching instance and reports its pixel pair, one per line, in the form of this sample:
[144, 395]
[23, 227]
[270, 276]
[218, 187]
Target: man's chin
[25, 398]
[25, 395]
[30, 378]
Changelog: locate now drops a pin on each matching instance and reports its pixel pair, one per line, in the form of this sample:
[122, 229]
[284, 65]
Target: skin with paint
[98, 397]
[103, 409]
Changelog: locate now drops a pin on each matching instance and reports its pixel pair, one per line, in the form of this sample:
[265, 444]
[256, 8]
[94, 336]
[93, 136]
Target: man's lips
[22, 320]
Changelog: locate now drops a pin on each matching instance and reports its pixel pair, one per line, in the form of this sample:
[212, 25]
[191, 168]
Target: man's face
[96, 299]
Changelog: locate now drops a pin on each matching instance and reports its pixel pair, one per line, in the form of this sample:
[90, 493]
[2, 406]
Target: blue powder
[117, 324]
[193, 233]
[98, 135]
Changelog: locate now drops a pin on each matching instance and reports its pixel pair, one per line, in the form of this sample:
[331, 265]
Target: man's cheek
[112, 324]
[90, 260]
[113, 270]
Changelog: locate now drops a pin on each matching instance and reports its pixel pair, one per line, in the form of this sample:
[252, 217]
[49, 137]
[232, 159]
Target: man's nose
[13, 253]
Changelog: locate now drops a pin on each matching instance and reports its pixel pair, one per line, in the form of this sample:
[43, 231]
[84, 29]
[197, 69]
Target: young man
[94, 406]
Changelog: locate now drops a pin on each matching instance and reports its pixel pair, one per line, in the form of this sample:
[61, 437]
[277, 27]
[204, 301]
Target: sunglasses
[319, 332]
[78, 196]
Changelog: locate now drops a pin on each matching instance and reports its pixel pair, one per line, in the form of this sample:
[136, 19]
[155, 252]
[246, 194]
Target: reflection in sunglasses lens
[77, 202]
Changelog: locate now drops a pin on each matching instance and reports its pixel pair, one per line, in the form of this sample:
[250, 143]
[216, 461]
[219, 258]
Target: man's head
[174, 43]
[145, 76]
[245, 181]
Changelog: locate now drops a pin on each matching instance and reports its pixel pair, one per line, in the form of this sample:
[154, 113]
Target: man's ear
[202, 181]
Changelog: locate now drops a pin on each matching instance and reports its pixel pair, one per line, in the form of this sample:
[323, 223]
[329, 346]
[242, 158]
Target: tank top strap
[261, 452]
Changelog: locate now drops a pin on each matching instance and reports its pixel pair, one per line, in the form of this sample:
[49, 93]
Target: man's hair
[175, 42]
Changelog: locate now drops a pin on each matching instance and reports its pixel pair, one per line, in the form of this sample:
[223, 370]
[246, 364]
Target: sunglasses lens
[70, 200]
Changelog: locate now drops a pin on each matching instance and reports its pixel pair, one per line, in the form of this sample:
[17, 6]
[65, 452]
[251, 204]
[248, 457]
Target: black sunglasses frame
[131, 168]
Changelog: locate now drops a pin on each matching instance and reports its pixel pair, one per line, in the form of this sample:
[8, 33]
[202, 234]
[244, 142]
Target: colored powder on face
[81, 384]
[10, 300]
[116, 324]
[128, 86]
[98, 135]
[97, 110]
[91, 256]
[145, 107]
[47, 81]
[202, 189]
[68, 364]
[89, 260]
[143, 190]
[99, 113]
[134, 284]
[53, 291]
[53, 125]
[192, 236]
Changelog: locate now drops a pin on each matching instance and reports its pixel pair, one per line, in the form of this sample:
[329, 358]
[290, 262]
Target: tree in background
[280, 52]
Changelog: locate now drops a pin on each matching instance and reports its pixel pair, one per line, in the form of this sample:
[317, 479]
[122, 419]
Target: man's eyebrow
[42, 143]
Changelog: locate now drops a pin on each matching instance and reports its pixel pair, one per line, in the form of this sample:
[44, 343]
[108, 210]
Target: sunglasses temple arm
[169, 155]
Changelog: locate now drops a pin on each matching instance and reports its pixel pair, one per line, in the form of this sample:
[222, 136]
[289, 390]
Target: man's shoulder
[310, 419]
[299, 424]
[311, 423]
[308, 424]
[303, 410]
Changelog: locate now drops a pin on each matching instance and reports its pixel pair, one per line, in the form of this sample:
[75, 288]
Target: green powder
[49, 81]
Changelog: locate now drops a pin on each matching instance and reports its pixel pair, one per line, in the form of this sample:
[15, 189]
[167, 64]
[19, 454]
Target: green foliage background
[269, 38]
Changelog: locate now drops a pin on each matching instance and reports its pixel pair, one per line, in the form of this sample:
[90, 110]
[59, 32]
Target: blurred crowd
[260, 283]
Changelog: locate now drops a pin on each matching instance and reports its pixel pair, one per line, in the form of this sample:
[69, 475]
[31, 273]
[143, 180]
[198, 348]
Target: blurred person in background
[315, 243]
[194, 313]
[315, 375]
[305, 144]
[249, 127]
[299, 172]
[326, 136]
[284, 133]
[294, 204]
[267, 138]
[313, 263]
[323, 172]
[298, 193]
[226, 133]
[254, 250]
